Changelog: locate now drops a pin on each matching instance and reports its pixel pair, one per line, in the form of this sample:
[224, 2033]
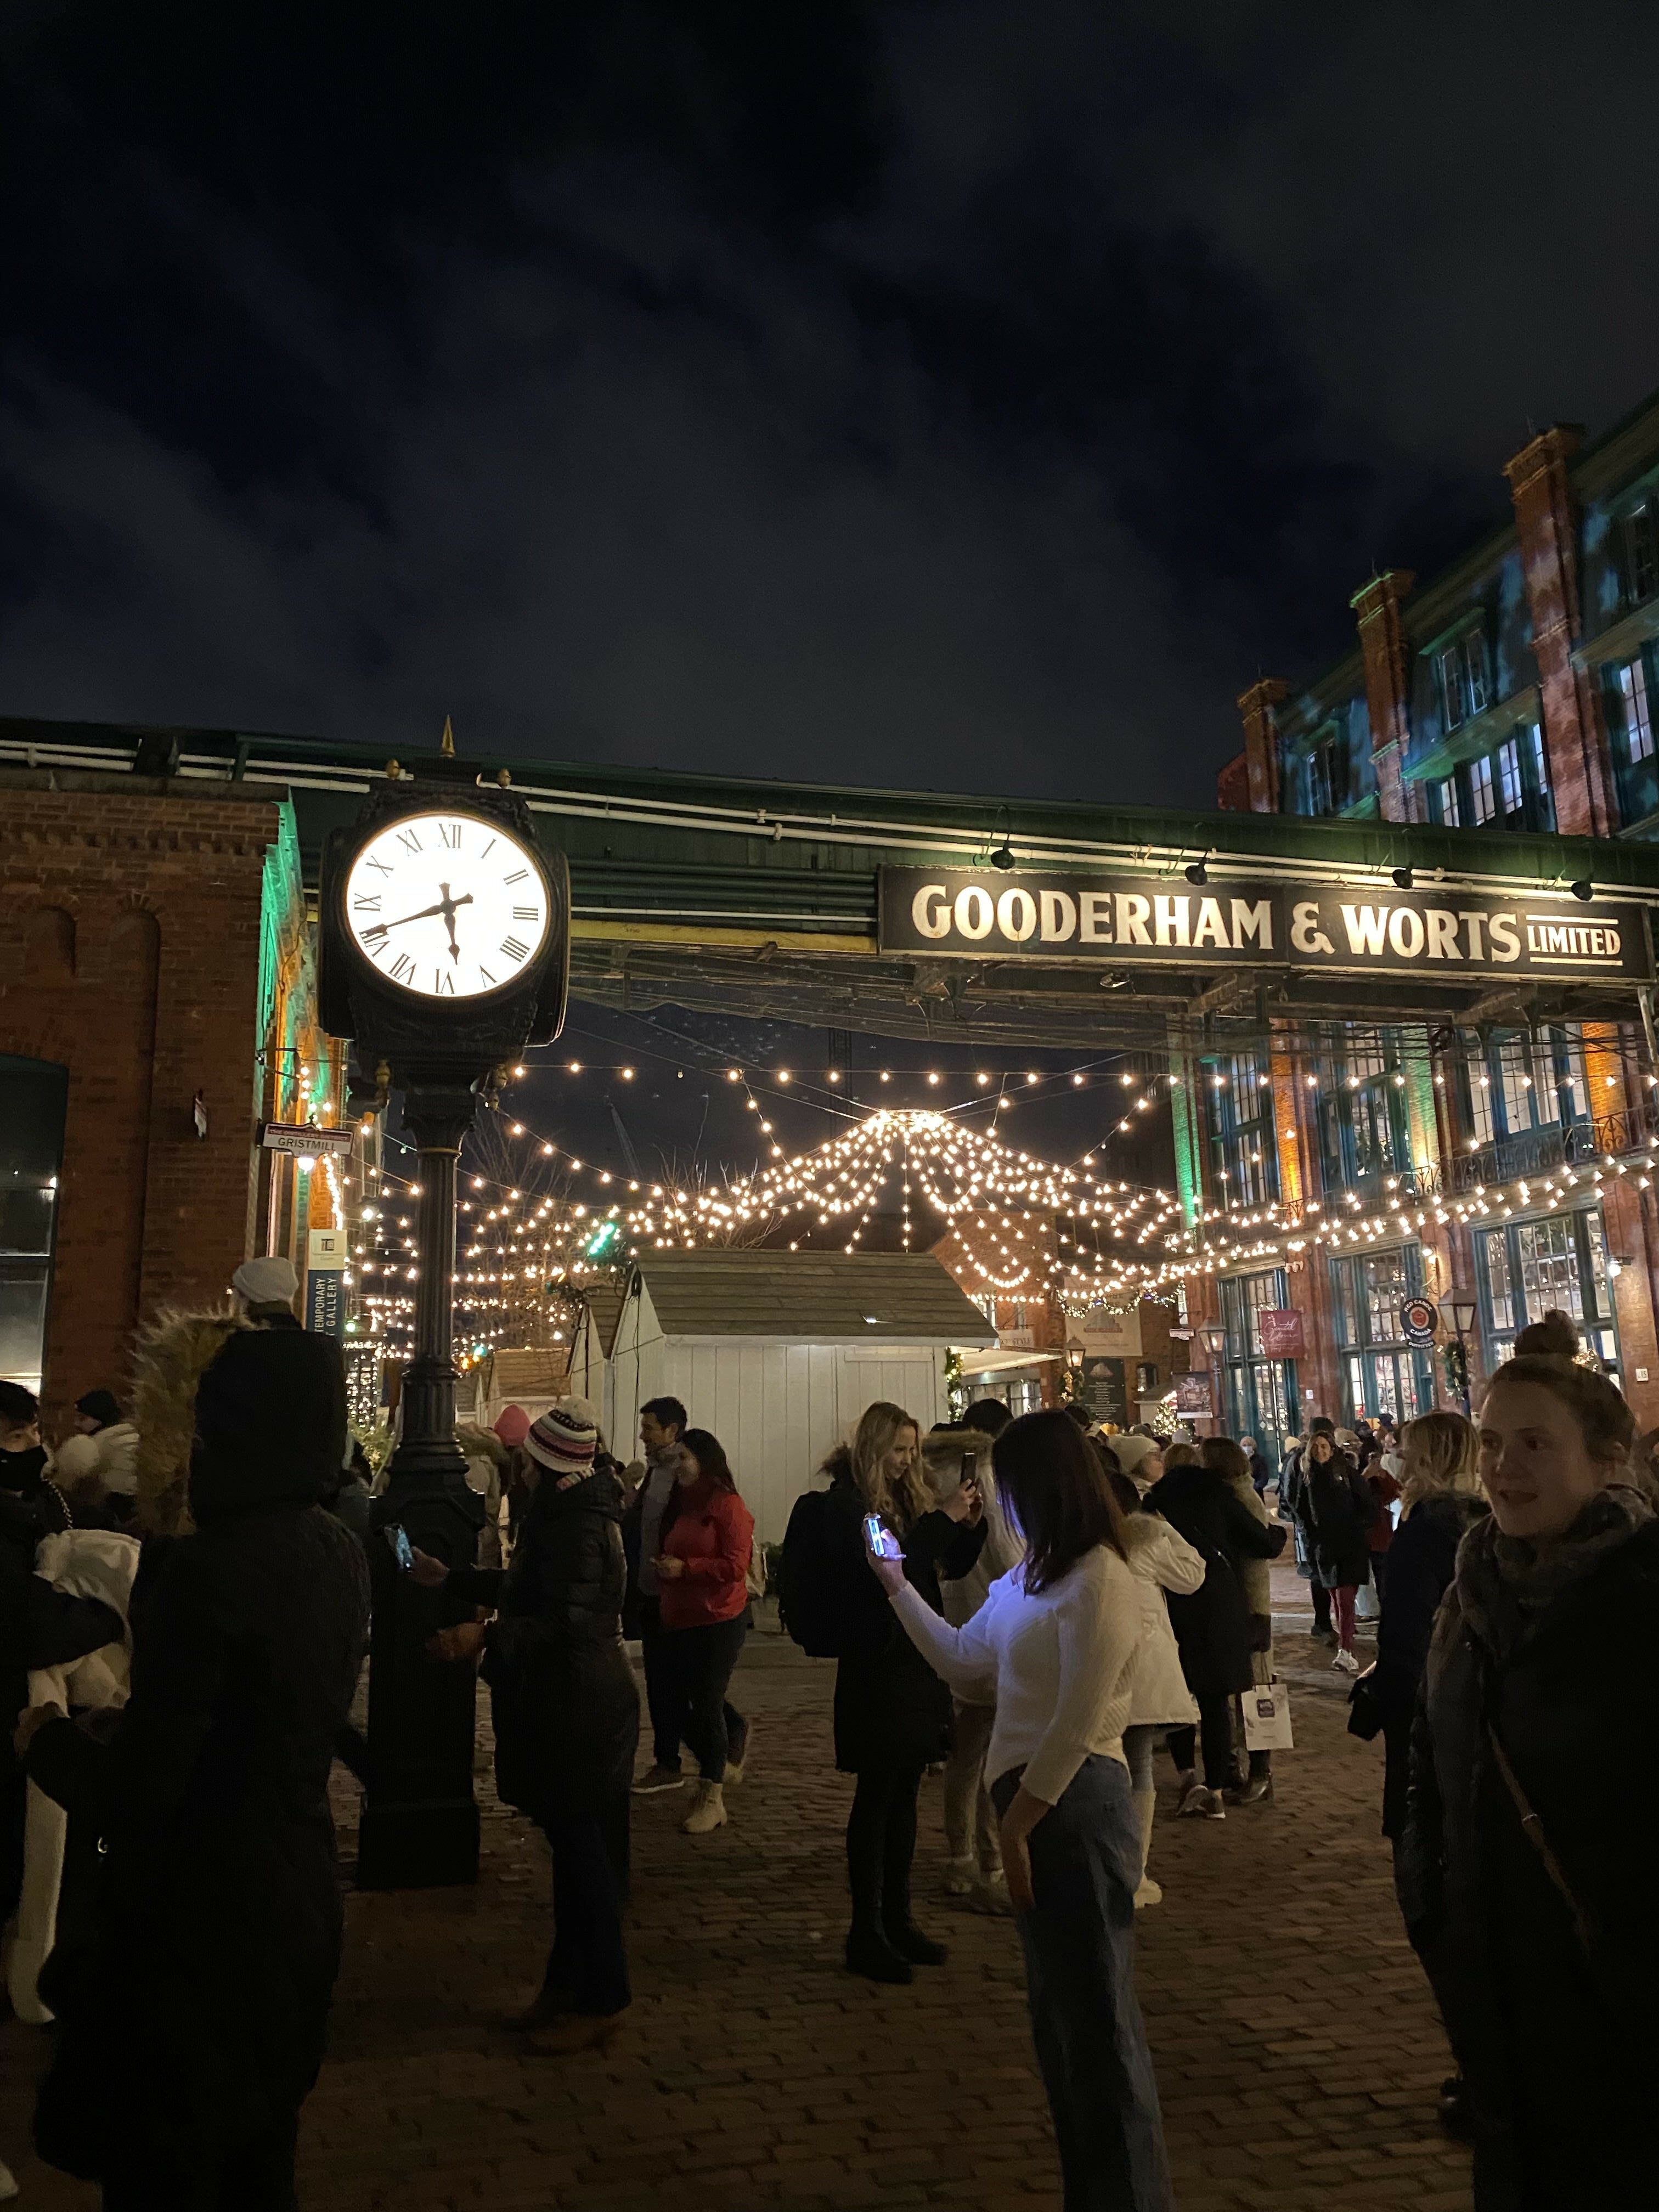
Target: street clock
[446, 929]
[448, 905]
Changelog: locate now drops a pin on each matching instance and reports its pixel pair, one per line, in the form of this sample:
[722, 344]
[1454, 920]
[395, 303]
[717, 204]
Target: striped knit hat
[565, 1438]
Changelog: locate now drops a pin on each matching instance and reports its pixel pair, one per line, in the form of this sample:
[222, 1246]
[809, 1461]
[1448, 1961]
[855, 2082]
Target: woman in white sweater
[1057, 1636]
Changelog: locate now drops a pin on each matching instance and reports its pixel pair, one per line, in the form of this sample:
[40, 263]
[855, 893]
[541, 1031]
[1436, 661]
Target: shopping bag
[1267, 1717]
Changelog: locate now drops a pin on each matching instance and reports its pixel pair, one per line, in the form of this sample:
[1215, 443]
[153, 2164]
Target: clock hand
[447, 906]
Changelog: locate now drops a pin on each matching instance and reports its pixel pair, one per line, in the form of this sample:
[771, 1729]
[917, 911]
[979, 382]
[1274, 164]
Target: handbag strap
[1532, 1829]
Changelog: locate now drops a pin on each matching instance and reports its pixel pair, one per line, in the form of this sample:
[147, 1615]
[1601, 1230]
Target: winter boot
[708, 1810]
[959, 1877]
[1149, 1893]
[870, 1953]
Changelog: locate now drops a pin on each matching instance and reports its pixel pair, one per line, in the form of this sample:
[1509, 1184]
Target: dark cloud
[954, 396]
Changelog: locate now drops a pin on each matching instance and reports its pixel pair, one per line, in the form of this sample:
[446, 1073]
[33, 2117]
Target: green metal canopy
[761, 898]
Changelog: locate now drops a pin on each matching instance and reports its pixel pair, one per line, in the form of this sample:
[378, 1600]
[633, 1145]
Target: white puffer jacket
[1161, 1561]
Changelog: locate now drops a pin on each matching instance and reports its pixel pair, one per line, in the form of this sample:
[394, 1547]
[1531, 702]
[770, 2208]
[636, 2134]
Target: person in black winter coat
[567, 1713]
[892, 1711]
[1212, 1626]
[1335, 1508]
[1526, 1869]
[190, 2029]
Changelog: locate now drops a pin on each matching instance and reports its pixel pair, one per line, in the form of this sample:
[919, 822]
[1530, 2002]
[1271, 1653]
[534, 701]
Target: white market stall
[777, 1352]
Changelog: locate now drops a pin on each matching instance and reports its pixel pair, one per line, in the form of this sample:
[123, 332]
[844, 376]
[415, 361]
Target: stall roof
[818, 1298]
[603, 1302]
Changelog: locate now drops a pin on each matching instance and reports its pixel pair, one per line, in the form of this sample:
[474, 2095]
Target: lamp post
[1215, 1343]
[1459, 1308]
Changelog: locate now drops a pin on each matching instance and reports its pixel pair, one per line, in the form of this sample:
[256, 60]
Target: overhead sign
[1163, 922]
[1420, 1321]
[305, 1138]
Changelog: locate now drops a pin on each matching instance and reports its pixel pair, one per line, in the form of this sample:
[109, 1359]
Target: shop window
[1260, 1394]
[1557, 1264]
[34, 1095]
[1515, 1083]
[1381, 1373]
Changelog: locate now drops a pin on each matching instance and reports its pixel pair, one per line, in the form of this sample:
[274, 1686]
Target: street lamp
[1215, 1343]
[1459, 1308]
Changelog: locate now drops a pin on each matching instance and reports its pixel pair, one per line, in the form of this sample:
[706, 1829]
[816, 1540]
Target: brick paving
[1296, 2051]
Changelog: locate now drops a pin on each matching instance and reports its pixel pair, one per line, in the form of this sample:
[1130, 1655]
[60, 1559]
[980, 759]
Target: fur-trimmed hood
[170, 1358]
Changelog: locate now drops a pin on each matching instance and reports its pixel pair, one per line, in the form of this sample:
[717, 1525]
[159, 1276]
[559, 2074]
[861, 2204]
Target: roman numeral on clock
[451, 833]
[408, 840]
[512, 950]
[518, 876]
[366, 903]
[402, 968]
[485, 973]
[379, 866]
[444, 985]
[527, 914]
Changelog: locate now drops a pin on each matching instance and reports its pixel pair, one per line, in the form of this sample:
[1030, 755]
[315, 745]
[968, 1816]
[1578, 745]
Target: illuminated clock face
[447, 906]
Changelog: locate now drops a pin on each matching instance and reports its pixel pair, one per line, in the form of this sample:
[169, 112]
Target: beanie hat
[268, 1282]
[513, 1427]
[565, 1438]
[99, 1406]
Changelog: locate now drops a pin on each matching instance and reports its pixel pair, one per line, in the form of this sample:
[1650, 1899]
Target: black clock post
[420, 1822]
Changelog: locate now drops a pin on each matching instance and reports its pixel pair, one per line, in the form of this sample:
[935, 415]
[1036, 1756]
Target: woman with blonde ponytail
[892, 1711]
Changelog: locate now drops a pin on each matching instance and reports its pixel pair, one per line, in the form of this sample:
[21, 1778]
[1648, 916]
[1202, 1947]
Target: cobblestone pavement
[1296, 2051]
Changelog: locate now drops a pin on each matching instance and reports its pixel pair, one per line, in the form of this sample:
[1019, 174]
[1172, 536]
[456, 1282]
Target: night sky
[971, 396]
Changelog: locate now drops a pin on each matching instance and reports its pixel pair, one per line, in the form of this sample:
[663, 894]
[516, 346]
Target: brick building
[155, 1001]
[1510, 693]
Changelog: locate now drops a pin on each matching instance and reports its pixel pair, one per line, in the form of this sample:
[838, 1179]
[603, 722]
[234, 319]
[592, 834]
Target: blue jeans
[1078, 1939]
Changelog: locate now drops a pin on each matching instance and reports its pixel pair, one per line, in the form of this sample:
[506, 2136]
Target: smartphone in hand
[402, 1550]
[882, 1541]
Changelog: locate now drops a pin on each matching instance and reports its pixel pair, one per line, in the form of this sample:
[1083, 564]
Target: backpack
[806, 1579]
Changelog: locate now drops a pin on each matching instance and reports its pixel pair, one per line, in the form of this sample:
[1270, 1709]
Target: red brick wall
[130, 918]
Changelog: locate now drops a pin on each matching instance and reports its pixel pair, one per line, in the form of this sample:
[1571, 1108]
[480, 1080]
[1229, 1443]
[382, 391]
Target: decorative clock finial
[449, 740]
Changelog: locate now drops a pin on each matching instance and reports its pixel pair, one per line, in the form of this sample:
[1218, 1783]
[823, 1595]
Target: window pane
[1638, 729]
[1492, 1247]
[1641, 568]
[1479, 692]
[1509, 775]
[1547, 1253]
[1449, 813]
[1482, 805]
[1451, 686]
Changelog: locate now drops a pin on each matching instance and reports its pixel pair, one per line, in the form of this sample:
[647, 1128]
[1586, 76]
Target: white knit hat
[268, 1282]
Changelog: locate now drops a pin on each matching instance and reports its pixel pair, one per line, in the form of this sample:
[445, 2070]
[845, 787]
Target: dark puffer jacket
[891, 1709]
[1334, 1505]
[1421, 1561]
[1557, 2045]
[567, 1713]
[201, 2007]
[1212, 1626]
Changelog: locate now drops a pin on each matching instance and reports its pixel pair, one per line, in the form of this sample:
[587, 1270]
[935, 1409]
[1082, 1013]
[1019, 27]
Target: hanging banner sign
[1116, 919]
[326, 1253]
[1280, 1329]
[305, 1138]
[1193, 1394]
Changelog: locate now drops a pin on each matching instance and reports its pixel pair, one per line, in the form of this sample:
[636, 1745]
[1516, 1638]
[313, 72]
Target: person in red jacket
[702, 1578]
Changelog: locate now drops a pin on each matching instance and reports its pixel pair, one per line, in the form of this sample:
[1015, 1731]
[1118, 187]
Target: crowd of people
[1026, 1608]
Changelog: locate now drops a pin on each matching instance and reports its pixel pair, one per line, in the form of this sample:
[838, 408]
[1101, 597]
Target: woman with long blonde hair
[892, 1711]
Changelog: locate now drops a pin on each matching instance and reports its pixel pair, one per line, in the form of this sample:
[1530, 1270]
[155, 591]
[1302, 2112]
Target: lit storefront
[1557, 1263]
[1380, 1371]
[1259, 1392]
